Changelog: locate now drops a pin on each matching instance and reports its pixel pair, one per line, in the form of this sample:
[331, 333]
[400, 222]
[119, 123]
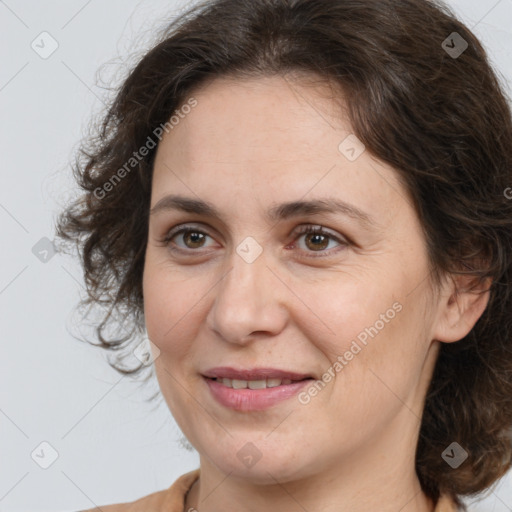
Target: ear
[462, 302]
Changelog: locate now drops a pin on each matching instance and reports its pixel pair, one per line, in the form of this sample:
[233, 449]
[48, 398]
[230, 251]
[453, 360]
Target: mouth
[254, 389]
[255, 384]
[254, 378]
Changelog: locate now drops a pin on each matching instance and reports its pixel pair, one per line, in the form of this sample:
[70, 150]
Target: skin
[245, 147]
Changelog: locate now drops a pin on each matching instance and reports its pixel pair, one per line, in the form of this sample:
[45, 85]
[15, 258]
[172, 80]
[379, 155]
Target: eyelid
[298, 231]
[319, 228]
[183, 228]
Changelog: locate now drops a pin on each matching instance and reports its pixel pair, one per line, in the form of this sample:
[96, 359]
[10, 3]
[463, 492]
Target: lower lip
[253, 399]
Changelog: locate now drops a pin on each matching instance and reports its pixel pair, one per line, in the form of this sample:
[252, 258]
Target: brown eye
[190, 238]
[316, 239]
[193, 239]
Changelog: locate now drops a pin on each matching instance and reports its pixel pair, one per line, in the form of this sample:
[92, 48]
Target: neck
[264, 499]
[367, 480]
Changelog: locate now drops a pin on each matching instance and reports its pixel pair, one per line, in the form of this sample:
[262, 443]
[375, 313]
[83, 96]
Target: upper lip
[227, 372]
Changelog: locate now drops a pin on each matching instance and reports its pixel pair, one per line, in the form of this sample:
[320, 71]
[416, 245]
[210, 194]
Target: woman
[303, 205]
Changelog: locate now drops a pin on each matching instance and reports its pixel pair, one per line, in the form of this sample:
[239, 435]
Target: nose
[250, 302]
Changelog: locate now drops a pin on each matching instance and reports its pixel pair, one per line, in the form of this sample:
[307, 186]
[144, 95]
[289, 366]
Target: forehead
[245, 113]
[260, 125]
[268, 139]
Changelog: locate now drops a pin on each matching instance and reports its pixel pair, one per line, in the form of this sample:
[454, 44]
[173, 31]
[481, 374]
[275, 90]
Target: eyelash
[305, 230]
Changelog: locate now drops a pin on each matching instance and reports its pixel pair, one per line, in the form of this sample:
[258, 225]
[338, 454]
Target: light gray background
[112, 447]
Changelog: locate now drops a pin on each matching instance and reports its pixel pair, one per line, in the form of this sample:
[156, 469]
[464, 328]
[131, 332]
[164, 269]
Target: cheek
[170, 309]
[368, 326]
[170, 305]
[382, 358]
[347, 312]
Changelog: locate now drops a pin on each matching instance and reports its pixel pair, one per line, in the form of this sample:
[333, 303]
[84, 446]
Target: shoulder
[167, 500]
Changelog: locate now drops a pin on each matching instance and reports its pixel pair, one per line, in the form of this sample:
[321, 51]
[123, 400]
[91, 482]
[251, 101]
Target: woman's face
[244, 288]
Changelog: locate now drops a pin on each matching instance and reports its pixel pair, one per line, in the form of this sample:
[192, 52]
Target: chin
[261, 465]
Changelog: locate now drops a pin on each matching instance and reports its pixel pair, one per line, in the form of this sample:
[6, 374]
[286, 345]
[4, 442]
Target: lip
[253, 399]
[228, 372]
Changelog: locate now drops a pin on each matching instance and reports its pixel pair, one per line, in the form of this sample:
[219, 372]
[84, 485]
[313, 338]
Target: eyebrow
[279, 212]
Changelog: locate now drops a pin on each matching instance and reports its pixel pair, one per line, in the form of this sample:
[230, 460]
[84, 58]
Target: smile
[253, 384]
[253, 395]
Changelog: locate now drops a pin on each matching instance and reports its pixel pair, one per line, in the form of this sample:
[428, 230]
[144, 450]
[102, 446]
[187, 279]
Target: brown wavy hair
[443, 122]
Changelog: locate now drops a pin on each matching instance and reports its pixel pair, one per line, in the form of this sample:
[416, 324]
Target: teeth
[257, 384]
[239, 384]
[253, 384]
